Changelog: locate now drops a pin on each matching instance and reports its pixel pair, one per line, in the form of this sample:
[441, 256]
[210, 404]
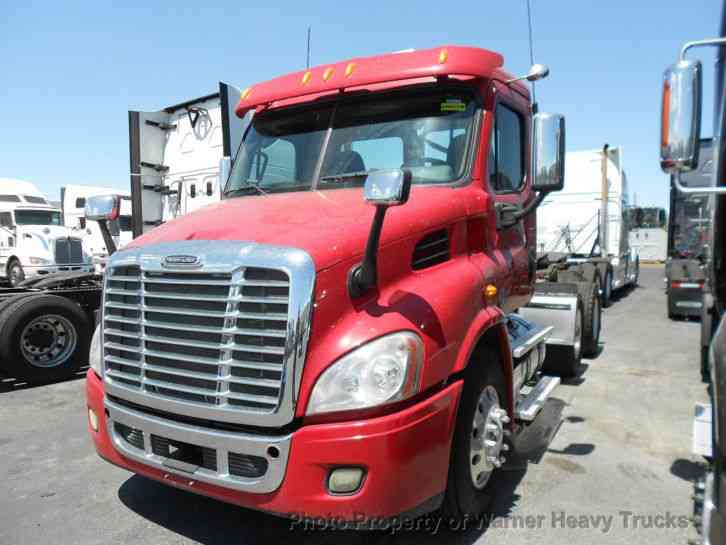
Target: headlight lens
[382, 371]
[39, 261]
[95, 355]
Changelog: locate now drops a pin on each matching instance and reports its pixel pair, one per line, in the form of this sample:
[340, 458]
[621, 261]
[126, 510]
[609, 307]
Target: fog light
[345, 480]
[93, 419]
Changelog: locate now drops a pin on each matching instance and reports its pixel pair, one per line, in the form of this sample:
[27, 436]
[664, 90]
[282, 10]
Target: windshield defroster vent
[431, 250]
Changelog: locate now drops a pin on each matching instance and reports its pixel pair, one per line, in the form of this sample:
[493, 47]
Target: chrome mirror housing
[681, 116]
[548, 150]
[387, 187]
[103, 207]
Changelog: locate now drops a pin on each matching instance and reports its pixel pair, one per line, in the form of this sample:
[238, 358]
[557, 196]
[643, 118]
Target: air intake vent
[431, 250]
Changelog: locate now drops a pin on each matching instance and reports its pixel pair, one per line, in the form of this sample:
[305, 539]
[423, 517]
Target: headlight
[39, 261]
[95, 355]
[380, 372]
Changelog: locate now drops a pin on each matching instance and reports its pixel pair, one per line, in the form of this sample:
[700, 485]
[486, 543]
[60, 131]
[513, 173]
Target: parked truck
[46, 321]
[649, 233]
[689, 231]
[357, 310]
[680, 151]
[583, 231]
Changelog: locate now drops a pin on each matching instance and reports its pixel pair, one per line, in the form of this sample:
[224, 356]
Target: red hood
[330, 225]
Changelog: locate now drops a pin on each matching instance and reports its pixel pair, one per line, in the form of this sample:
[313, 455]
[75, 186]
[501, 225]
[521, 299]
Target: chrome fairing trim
[558, 311]
[222, 441]
[228, 257]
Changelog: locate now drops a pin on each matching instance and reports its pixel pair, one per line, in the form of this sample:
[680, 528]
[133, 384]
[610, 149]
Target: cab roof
[402, 67]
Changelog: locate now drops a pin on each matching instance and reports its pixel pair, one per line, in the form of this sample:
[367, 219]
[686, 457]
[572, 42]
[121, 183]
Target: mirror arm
[513, 217]
[107, 238]
[364, 277]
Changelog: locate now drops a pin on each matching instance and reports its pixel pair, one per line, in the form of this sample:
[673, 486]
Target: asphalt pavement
[608, 461]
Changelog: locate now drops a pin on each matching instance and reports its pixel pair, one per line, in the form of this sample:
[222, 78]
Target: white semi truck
[33, 239]
[588, 221]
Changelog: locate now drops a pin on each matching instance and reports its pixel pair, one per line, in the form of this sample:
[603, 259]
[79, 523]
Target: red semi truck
[349, 332]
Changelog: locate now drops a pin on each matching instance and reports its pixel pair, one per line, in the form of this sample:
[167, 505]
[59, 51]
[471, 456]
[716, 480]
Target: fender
[488, 319]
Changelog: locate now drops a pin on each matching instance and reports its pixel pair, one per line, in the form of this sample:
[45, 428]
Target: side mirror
[103, 207]
[681, 117]
[548, 156]
[387, 187]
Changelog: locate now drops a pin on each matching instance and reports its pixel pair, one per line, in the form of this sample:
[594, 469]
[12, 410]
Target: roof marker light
[306, 77]
[246, 93]
[349, 69]
[328, 72]
[443, 56]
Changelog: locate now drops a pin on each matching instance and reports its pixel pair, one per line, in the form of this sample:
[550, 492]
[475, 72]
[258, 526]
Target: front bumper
[686, 300]
[43, 270]
[405, 456]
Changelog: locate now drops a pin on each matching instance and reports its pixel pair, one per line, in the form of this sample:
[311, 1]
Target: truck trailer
[352, 314]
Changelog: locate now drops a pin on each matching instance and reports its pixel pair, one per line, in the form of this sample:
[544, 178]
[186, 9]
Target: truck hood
[42, 235]
[330, 225]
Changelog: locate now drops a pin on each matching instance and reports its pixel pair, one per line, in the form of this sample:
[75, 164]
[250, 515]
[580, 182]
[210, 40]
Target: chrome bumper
[223, 442]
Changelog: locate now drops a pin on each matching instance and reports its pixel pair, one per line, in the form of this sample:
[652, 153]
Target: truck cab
[344, 320]
[33, 239]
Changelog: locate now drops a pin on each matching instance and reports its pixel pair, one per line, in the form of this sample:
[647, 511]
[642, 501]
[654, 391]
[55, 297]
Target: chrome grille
[215, 339]
[68, 250]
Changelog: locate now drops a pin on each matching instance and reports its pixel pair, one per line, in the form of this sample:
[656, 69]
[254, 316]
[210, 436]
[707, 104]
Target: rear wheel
[43, 338]
[591, 318]
[480, 438]
[564, 360]
[15, 273]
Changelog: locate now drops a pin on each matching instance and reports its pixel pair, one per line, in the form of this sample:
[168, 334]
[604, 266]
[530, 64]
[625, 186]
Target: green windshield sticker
[453, 105]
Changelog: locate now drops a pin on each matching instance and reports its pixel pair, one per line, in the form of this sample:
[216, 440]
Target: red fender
[488, 318]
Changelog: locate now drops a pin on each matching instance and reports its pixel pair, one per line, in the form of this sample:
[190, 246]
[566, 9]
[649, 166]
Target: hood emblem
[182, 261]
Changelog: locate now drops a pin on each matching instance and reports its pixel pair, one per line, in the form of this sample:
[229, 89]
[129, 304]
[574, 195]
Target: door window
[506, 153]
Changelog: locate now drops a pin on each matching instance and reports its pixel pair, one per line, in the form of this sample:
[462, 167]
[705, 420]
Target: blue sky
[72, 70]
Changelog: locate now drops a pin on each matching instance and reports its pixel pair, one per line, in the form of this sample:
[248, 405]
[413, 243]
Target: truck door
[508, 173]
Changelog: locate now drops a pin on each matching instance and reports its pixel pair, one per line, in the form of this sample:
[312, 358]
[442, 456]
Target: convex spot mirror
[387, 187]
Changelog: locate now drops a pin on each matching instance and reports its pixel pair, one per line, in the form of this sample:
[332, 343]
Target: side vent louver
[431, 250]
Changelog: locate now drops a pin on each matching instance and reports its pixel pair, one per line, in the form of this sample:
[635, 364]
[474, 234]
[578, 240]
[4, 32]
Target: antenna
[308, 57]
[531, 46]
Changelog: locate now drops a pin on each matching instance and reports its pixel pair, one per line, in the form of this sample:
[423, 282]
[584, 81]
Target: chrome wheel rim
[48, 341]
[486, 441]
[578, 334]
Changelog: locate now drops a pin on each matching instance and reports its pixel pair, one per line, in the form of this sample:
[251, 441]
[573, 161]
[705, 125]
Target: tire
[671, 314]
[43, 338]
[15, 273]
[564, 360]
[607, 289]
[637, 272]
[591, 318]
[705, 366]
[484, 390]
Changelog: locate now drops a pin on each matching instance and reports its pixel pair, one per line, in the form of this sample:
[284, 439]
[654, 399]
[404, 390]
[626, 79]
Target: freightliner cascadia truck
[349, 332]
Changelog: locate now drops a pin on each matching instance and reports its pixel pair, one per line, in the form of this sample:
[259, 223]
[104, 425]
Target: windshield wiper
[245, 189]
[345, 176]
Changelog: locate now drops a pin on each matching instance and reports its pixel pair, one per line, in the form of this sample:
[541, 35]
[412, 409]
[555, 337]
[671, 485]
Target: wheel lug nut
[489, 443]
[505, 447]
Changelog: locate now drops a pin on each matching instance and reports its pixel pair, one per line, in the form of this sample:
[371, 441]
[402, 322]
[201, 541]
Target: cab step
[529, 406]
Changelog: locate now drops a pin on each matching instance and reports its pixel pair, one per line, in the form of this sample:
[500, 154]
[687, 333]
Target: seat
[345, 162]
[456, 152]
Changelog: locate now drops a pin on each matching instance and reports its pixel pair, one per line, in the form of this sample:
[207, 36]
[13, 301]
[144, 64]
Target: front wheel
[607, 289]
[15, 273]
[480, 439]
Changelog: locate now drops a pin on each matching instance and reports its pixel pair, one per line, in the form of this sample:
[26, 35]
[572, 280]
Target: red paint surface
[402, 472]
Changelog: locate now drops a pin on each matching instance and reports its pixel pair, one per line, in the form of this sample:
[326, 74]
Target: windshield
[427, 132]
[691, 221]
[37, 217]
